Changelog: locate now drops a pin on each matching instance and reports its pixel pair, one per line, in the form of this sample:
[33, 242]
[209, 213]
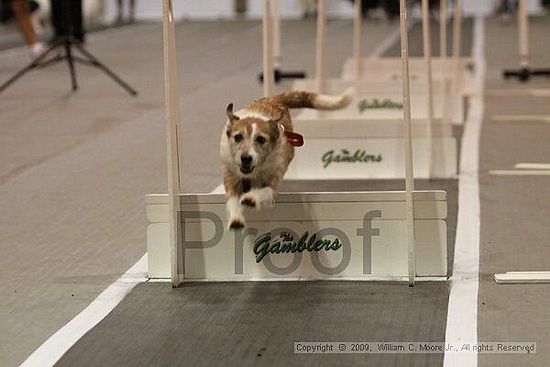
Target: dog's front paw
[250, 201]
[236, 223]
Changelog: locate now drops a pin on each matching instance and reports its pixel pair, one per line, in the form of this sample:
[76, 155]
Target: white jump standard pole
[409, 175]
[428, 62]
[525, 72]
[456, 50]
[173, 119]
[276, 21]
[357, 39]
[278, 73]
[523, 34]
[320, 72]
[267, 40]
[443, 30]
[443, 57]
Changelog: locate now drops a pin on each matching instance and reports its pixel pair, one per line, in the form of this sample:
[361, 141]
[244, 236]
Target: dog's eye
[238, 138]
[260, 140]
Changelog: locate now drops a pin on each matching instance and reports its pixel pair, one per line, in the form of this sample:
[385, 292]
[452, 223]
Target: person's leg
[21, 12]
[132, 10]
[76, 14]
[120, 11]
[57, 18]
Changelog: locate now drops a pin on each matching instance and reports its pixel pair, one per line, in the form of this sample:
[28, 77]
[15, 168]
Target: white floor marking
[518, 92]
[520, 172]
[54, 348]
[462, 311]
[520, 118]
[532, 166]
[523, 277]
[391, 40]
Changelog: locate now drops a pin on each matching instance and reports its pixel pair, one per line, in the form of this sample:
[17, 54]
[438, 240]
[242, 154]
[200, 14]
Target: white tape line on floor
[533, 166]
[520, 118]
[54, 348]
[385, 45]
[462, 311]
[520, 172]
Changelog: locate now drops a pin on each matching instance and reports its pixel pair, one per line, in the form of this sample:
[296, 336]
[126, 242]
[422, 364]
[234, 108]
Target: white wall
[221, 9]
[488, 6]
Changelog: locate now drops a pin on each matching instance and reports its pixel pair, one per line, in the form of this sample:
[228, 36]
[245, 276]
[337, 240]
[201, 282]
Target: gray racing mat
[256, 324]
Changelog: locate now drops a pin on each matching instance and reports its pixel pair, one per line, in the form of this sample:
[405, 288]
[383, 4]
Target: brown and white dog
[255, 151]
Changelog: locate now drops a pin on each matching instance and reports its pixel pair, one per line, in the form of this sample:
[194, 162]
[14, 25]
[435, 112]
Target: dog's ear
[275, 127]
[277, 119]
[230, 115]
[274, 131]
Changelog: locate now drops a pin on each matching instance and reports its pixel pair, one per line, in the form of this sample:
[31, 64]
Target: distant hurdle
[364, 140]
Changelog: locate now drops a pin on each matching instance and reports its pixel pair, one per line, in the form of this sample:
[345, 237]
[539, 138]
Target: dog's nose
[246, 159]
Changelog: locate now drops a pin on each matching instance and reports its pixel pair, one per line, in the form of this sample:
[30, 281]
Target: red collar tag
[294, 139]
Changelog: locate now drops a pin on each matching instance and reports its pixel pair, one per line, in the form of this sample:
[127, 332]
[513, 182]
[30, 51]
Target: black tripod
[65, 45]
[280, 75]
[524, 74]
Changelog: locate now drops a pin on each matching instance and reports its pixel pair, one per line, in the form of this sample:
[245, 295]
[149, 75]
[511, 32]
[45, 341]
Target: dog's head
[251, 140]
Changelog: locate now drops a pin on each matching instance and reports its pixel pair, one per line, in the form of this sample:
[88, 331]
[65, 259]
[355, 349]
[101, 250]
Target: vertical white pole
[276, 16]
[443, 57]
[357, 39]
[173, 118]
[523, 34]
[457, 29]
[457, 46]
[428, 63]
[321, 41]
[409, 175]
[443, 30]
[267, 40]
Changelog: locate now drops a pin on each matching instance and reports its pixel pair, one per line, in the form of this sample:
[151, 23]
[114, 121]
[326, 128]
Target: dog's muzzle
[247, 169]
[246, 164]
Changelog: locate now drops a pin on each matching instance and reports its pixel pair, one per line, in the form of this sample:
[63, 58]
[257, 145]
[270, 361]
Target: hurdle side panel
[369, 91]
[376, 158]
[374, 237]
[388, 69]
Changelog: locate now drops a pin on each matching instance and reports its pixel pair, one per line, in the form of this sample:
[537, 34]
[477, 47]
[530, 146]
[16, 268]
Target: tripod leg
[34, 64]
[70, 61]
[106, 70]
[16, 76]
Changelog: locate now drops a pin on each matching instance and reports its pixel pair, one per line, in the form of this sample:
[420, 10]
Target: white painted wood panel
[372, 233]
[379, 158]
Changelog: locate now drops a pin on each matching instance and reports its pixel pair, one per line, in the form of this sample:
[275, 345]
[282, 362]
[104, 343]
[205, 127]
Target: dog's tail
[303, 99]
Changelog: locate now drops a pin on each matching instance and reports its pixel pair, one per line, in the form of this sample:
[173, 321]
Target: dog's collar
[293, 138]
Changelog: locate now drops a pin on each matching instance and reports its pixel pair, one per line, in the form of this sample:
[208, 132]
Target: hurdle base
[524, 74]
[280, 75]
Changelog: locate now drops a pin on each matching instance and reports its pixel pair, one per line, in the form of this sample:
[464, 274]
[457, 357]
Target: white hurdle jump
[347, 235]
[327, 235]
[452, 78]
[363, 141]
[387, 69]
